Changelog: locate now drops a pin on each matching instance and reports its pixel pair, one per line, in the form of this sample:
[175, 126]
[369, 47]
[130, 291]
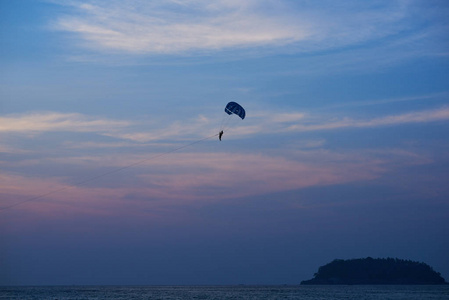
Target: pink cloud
[188, 178]
[53, 121]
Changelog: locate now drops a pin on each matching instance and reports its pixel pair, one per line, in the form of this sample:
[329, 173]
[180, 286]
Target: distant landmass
[375, 271]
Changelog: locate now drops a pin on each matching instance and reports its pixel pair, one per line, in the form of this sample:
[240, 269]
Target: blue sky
[343, 153]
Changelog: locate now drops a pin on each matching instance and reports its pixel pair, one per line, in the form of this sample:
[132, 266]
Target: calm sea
[226, 292]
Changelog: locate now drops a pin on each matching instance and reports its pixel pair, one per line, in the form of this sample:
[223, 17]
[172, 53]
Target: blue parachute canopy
[235, 108]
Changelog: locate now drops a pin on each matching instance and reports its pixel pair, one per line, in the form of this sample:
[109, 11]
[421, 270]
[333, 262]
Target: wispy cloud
[198, 177]
[41, 122]
[182, 178]
[9, 149]
[203, 176]
[426, 116]
[276, 122]
[200, 126]
[195, 127]
[164, 27]
[177, 26]
[428, 97]
[53, 121]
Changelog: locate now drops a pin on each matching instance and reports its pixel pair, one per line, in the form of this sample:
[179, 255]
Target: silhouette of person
[220, 134]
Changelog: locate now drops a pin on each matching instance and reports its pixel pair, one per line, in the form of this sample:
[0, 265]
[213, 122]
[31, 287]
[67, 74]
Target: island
[375, 271]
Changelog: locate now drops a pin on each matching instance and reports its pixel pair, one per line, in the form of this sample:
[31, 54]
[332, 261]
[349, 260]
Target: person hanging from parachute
[232, 108]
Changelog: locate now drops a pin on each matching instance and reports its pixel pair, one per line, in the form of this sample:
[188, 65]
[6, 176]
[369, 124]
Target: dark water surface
[225, 292]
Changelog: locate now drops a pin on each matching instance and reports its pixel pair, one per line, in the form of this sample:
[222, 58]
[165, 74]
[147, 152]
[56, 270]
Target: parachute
[235, 108]
[234, 111]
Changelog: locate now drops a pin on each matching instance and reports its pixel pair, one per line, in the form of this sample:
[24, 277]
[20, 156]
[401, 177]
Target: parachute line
[80, 183]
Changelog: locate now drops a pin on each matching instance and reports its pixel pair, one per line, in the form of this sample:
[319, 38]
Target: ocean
[409, 292]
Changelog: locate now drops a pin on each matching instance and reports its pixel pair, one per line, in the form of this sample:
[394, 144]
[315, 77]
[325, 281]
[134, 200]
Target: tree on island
[375, 271]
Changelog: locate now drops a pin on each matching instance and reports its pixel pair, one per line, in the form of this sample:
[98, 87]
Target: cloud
[278, 122]
[287, 117]
[187, 129]
[178, 26]
[41, 122]
[218, 176]
[199, 176]
[46, 195]
[178, 178]
[428, 97]
[9, 149]
[173, 27]
[53, 121]
[201, 126]
[426, 116]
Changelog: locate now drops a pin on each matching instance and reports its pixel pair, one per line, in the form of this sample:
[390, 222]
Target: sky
[111, 171]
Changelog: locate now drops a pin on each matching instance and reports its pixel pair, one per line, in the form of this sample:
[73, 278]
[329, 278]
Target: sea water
[322, 292]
